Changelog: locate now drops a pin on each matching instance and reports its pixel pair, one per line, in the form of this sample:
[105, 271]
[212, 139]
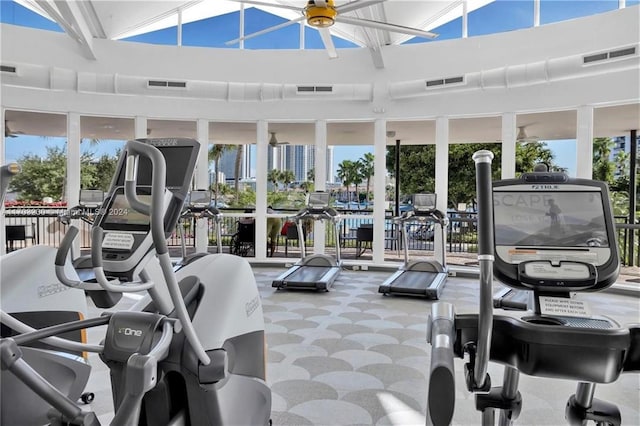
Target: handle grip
[65, 246]
[441, 394]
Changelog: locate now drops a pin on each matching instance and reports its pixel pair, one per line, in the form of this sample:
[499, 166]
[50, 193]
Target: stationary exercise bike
[192, 351]
[555, 236]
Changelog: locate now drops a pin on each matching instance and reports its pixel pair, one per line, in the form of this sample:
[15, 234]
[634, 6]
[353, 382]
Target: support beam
[465, 20]
[72, 195]
[379, 173]
[508, 165]
[633, 155]
[140, 127]
[262, 145]
[241, 44]
[3, 235]
[320, 180]
[584, 142]
[72, 15]
[179, 41]
[536, 13]
[442, 178]
[201, 181]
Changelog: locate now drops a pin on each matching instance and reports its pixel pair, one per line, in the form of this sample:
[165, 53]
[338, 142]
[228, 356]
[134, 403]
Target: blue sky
[489, 19]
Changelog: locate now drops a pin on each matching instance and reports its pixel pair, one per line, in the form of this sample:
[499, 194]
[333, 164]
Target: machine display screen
[318, 200]
[424, 202]
[200, 197]
[91, 197]
[177, 163]
[549, 219]
[120, 213]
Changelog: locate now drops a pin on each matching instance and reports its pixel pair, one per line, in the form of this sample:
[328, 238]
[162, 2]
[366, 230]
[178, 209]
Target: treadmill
[316, 271]
[421, 277]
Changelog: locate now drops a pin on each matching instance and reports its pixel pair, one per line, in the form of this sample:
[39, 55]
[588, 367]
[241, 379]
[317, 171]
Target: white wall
[535, 69]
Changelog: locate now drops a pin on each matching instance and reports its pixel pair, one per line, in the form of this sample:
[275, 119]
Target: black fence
[40, 225]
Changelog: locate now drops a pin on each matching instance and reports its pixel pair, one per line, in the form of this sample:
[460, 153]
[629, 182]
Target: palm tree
[345, 174]
[215, 152]
[237, 168]
[274, 177]
[286, 177]
[357, 178]
[366, 169]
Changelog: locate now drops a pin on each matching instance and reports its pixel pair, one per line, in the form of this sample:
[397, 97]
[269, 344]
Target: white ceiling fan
[10, 133]
[523, 137]
[322, 14]
[273, 141]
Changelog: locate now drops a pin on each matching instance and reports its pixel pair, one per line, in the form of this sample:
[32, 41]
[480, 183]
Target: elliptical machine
[198, 206]
[190, 352]
[529, 244]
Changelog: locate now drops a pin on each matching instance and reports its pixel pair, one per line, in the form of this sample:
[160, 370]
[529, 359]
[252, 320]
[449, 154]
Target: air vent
[315, 89]
[595, 58]
[8, 68]
[432, 83]
[622, 52]
[443, 81]
[609, 55]
[164, 83]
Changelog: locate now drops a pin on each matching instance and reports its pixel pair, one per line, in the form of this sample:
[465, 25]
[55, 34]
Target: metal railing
[41, 226]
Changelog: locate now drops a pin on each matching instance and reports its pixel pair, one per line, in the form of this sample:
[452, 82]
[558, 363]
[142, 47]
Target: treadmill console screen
[550, 225]
[121, 216]
[200, 198]
[318, 200]
[424, 202]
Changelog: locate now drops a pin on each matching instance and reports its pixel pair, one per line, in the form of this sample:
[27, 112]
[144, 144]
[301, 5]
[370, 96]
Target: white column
[202, 182]
[442, 176]
[622, 4]
[3, 236]
[320, 180]
[508, 145]
[73, 168]
[584, 142]
[140, 127]
[536, 13]
[262, 139]
[242, 25]
[379, 173]
[179, 27]
[465, 20]
[301, 35]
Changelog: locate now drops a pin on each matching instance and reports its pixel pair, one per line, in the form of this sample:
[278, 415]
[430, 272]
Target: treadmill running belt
[414, 281]
[307, 274]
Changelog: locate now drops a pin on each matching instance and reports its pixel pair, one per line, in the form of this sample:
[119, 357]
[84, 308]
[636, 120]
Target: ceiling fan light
[320, 17]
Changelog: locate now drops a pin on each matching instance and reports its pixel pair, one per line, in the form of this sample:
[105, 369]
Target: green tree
[345, 174]
[286, 177]
[101, 172]
[417, 167]
[273, 176]
[603, 167]
[237, 168]
[215, 153]
[367, 169]
[46, 177]
[311, 175]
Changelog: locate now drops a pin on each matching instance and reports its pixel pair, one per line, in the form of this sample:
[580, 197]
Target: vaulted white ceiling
[117, 19]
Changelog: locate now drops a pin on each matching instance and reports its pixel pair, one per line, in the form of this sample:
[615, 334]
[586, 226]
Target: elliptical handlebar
[134, 150]
[6, 173]
[479, 364]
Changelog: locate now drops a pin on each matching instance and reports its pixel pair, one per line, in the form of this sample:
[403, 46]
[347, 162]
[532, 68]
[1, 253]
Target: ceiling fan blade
[325, 34]
[265, 4]
[384, 26]
[265, 31]
[348, 7]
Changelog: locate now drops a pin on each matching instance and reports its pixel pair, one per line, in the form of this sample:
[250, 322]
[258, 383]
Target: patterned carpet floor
[351, 356]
